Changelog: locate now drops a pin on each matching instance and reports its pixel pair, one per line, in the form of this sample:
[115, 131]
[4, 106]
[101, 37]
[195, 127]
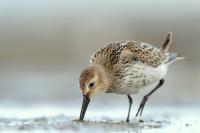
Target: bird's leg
[130, 105]
[142, 104]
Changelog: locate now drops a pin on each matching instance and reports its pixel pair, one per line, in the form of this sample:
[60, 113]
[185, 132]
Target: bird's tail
[167, 43]
[173, 57]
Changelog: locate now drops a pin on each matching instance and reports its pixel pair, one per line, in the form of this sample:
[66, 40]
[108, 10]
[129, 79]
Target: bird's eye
[91, 85]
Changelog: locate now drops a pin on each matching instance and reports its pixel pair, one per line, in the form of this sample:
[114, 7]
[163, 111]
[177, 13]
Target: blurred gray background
[45, 44]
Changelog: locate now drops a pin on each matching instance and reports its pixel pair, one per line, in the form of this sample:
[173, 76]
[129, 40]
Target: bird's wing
[127, 53]
[134, 52]
[107, 56]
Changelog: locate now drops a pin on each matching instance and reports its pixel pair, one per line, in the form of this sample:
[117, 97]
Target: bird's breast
[131, 79]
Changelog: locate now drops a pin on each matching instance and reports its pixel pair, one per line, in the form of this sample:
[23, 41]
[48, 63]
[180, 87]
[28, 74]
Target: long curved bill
[86, 101]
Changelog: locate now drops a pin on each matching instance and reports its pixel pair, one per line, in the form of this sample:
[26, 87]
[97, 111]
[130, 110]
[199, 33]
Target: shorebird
[126, 68]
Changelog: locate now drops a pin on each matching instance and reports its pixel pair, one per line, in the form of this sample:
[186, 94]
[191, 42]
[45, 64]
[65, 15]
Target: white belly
[139, 77]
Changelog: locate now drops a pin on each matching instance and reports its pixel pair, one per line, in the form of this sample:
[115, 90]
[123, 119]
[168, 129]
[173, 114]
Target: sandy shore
[163, 119]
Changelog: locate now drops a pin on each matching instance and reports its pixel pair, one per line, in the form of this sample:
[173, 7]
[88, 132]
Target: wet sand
[170, 119]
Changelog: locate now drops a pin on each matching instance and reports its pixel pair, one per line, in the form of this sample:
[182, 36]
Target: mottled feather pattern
[126, 68]
[129, 52]
[134, 64]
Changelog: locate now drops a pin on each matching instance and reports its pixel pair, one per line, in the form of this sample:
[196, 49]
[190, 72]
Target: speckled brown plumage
[129, 52]
[125, 68]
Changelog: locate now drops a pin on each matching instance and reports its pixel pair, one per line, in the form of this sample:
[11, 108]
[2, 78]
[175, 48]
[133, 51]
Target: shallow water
[58, 119]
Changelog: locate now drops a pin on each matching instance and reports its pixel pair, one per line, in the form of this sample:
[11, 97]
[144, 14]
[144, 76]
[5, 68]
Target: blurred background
[45, 44]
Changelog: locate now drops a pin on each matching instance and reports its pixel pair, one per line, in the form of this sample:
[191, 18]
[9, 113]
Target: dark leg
[130, 105]
[142, 104]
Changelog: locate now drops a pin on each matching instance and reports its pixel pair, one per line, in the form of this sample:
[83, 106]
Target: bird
[126, 68]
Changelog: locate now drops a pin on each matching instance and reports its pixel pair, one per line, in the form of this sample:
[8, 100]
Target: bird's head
[93, 80]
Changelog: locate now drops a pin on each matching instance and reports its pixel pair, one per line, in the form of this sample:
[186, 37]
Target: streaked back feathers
[132, 52]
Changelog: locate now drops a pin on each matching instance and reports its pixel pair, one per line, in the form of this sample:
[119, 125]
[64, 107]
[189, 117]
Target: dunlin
[126, 68]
